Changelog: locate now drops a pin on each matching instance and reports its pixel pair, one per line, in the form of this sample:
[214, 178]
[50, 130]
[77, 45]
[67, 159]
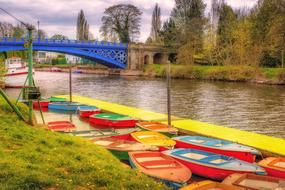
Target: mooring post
[30, 72]
[168, 94]
[70, 83]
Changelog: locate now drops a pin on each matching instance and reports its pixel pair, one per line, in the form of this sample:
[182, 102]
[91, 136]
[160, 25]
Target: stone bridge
[131, 56]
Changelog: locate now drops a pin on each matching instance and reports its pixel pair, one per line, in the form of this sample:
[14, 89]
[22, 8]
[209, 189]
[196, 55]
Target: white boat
[17, 72]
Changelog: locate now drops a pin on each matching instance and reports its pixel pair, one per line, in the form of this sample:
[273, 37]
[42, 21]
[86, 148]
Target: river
[251, 107]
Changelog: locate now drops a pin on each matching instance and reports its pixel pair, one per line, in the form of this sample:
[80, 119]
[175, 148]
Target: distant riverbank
[272, 76]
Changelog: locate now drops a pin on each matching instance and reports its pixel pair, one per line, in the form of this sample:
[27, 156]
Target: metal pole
[70, 83]
[168, 95]
[30, 73]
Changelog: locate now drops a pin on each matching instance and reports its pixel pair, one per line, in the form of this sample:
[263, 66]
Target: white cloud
[59, 16]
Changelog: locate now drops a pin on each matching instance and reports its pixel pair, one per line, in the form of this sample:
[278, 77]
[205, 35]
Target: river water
[251, 107]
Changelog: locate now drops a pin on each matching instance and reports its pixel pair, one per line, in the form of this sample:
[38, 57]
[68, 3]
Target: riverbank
[34, 158]
[273, 76]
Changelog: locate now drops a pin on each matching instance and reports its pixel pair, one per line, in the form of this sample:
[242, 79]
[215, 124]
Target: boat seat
[159, 164]
[216, 159]
[216, 143]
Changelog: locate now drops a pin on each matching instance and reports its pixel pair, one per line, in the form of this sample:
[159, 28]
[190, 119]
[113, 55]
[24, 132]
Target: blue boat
[211, 165]
[64, 106]
[218, 146]
[86, 111]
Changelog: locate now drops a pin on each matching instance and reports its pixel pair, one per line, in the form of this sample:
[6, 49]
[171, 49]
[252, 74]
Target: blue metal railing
[41, 41]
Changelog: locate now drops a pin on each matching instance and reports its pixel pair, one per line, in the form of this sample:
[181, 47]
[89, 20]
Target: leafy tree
[19, 31]
[155, 25]
[121, 22]
[59, 37]
[82, 27]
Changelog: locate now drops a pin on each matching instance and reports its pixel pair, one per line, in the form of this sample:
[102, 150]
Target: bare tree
[121, 22]
[6, 29]
[155, 24]
[82, 27]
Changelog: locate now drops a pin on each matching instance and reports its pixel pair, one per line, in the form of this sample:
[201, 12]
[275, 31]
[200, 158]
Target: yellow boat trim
[259, 141]
[153, 138]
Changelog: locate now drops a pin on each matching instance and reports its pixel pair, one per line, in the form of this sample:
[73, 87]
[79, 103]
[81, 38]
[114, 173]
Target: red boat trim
[14, 74]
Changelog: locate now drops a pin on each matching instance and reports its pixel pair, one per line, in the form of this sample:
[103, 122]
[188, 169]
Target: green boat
[55, 99]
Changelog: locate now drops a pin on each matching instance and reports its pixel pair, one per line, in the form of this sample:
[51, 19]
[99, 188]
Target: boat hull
[161, 167]
[118, 124]
[43, 104]
[88, 113]
[64, 106]
[245, 156]
[208, 172]
[61, 126]
[271, 167]
[205, 185]
[254, 182]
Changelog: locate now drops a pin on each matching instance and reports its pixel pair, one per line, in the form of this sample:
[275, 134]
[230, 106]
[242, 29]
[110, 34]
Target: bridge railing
[53, 41]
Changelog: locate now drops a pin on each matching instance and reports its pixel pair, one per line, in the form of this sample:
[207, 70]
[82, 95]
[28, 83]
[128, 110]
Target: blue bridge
[112, 55]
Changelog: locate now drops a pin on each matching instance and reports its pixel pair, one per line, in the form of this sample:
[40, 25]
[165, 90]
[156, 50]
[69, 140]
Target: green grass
[34, 158]
[221, 73]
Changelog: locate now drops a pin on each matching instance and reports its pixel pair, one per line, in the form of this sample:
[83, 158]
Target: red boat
[111, 120]
[217, 146]
[87, 111]
[61, 126]
[211, 165]
[42, 103]
[274, 166]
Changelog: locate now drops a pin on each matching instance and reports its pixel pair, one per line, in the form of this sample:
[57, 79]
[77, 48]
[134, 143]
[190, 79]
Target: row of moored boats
[155, 149]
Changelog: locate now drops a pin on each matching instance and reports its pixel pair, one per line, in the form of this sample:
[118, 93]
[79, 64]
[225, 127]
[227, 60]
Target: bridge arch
[111, 55]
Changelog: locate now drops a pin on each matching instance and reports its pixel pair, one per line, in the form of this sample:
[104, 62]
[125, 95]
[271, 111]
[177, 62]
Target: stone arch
[146, 60]
[172, 57]
[158, 58]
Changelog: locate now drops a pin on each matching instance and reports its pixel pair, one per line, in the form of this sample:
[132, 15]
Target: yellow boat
[153, 138]
[206, 185]
[157, 127]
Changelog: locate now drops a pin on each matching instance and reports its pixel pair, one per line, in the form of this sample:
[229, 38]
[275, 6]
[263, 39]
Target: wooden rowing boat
[211, 165]
[157, 127]
[112, 120]
[41, 103]
[209, 185]
[217, 146]
[274, 166]
[160, 166]
[61, 126]
[254, 182]
[64, 106]
[87, 111]
[153, 138]
[120, 147]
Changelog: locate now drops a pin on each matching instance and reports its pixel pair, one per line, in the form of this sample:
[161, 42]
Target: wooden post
[282, 57]
[168, 94]
[70, 83]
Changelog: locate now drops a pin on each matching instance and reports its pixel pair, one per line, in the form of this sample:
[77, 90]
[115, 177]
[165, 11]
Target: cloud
[59, 16]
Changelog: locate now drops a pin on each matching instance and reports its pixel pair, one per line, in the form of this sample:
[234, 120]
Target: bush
[268, 61]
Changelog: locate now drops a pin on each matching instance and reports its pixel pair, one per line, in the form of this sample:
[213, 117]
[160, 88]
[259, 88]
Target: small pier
[268, 145]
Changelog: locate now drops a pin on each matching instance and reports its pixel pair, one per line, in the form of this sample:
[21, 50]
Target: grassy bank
[34, 158]
[221, 73]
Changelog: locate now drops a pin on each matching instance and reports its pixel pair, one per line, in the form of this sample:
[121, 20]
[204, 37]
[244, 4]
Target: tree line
[223, 36]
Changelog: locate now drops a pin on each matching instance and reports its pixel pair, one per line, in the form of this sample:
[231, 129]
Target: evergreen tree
[155, 24]
[82, 27]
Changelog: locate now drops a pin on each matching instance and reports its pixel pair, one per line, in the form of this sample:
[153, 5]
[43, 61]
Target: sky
[59, 16]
